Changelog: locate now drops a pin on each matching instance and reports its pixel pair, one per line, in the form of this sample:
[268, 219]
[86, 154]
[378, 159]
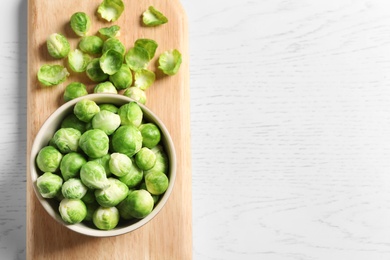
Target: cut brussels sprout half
[169, 62]
[109, 32]
[137, 58]
[105, 87]
[94, 72]
[50, 75]
[57, 45]
[123, 78]
[78, 60]
[91, 44]
[74, 90]
[49, 185]
[111, 10]
[111, 61]
[114, 44]
[135, 93]
[144, 78]
[148, 44]
[153, 17]
[80, 23]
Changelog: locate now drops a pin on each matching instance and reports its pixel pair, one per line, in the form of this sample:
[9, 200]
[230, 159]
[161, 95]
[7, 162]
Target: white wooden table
[290, 112]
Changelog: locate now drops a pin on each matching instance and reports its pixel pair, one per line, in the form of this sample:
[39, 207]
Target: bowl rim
[55, 118]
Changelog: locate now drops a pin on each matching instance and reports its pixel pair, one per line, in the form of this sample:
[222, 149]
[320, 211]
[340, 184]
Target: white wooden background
[290, 120]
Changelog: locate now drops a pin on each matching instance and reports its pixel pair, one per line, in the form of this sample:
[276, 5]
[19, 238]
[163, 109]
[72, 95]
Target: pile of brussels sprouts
[105, 59]
[104, 164]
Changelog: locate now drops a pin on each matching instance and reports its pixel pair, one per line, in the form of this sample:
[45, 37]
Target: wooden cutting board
[169, 234]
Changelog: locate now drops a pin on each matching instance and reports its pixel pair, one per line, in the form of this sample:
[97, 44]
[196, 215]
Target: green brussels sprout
[137, 58]
[110, 32]
[148, 44]
[104, 161]
[111, 10]
[137, 204]
[86, 109]
[114, 44]
[50, 75]
[106, 218]
[91, 208]
[49, 185]
[120, 164]
[93, 175]
[78, 60]
[80, 23]
[123, 78]
[144, 78]
[72, 211]
[145, 159]
[66, 139]
[169, 62]
[49, 159]
[113, 194]
[57, 45]
[71, 164]
[161, 164]
[137, 94]
[156, 182]
[109, 107]
[151, 134]
[73, 188]
[89, 197]
[106, 121]
[133, 177]
[111, 61]
[155, 197]
[94, 143]
[153, 17]
[105, 87]
[91, 44]
[74, 90]
[130, 114]
[94, 72]
[127, 140]
[71, 121]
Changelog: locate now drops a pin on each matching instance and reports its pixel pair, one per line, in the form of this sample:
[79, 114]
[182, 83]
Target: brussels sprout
[71, 164]
[49, 185]
[106, 121]
[114, 44]
[135, 93]
[50, 75]
[94, 72]
[109, 107]
[127, 140]
[72, 211]
[111, 10]
[67, 139]
[49, 159]
[137, 204]
[85, 110]
[153, 17]
[155, 197]
[104, 161]
[145, 159]
[110, 32]
[91, 208]
[106, 218]
[94, 143]
[93, 175]
[80, 23]
[71, 121]
[133, 177]
[120, 164]
[57, 45]
[78, 60]
[156, 182]
[169, 62]
[148, 44]
[73, 188]
[111, 61]
[130, 114]
[91, 44]
[137, 58]
[74, 90]
[144, 78]
[123, 78]
[89, 197]
[161, 164]
[105, 87]
[113, 194]
[151, 134]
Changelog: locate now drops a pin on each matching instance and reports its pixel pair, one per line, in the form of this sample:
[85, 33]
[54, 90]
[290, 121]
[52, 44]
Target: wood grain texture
[169, 234]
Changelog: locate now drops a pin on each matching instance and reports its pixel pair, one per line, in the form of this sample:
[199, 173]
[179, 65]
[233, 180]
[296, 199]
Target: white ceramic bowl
[53, 123]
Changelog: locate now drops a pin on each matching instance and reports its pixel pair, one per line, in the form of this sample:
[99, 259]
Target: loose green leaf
[50, 75]
[153, 17]
[170, 61]
[144, 78]
[111, 10]
[137, 58]
[111, 61]
[94, 72]
[148, 44]
[109, 32]
[78, 60]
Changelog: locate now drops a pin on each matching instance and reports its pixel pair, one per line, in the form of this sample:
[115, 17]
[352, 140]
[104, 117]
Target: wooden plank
[169, 234]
